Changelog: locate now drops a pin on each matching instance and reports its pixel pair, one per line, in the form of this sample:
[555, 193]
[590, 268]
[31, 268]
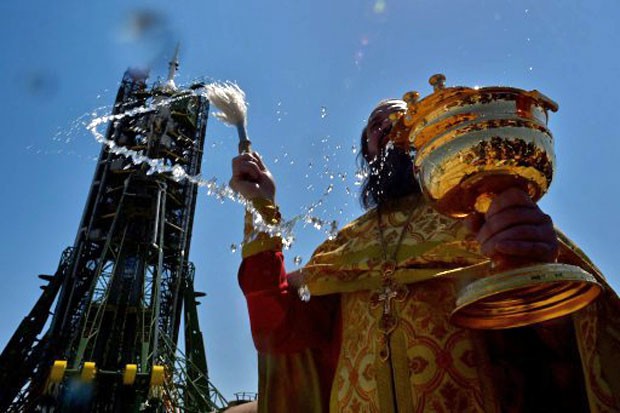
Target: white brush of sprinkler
[230, 100]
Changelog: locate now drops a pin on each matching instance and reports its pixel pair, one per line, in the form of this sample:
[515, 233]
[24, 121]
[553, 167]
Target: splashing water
[304, 293]
[220, 192]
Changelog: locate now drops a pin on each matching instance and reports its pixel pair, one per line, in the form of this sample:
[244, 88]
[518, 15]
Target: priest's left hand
[514, 229]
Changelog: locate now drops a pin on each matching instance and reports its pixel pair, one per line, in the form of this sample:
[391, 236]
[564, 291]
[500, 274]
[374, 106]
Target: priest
[376, 336]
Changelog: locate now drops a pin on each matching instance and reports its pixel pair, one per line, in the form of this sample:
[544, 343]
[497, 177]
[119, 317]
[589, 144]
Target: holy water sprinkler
[230, 100]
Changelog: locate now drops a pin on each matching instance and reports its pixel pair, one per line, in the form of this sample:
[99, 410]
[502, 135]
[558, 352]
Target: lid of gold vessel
[421, 112]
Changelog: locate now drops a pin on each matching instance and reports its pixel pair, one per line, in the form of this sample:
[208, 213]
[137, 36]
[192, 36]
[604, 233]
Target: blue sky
[312, 71]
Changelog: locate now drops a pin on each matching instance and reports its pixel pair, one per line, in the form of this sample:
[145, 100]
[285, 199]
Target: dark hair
[367, 201]
[392, 178]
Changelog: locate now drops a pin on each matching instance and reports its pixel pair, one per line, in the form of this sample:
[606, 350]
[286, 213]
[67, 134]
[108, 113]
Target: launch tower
[105, 334]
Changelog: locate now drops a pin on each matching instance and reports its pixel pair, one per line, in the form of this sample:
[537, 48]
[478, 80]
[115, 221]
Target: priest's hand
[251, 178]
[515, 230]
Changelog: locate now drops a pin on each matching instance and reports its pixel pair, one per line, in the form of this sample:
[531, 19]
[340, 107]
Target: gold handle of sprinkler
[245, 145]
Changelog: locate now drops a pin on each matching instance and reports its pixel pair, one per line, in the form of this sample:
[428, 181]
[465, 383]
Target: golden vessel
[473, 143]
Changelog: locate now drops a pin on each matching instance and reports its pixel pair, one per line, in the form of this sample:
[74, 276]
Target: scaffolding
[104, 335]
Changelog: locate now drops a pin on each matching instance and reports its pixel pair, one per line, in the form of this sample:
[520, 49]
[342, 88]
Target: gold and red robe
[329, 355]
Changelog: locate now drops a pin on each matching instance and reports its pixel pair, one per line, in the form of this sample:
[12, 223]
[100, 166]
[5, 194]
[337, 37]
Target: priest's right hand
[251, 178]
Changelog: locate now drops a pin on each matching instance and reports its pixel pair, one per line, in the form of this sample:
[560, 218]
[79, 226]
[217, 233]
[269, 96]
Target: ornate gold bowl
[473, 143]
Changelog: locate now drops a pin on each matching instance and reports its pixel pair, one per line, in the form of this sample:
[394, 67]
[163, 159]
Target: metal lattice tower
[103, 336]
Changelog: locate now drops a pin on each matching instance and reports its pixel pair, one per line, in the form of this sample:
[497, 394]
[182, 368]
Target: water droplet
[297, 260]
[178, 172]
[360, 175]
[333, 227]
[304, 293]
[233, 248]
[531, 68]
[323, 112]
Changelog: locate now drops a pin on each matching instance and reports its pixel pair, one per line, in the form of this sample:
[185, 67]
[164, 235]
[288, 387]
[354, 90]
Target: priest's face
[390, 169]
[380, 125]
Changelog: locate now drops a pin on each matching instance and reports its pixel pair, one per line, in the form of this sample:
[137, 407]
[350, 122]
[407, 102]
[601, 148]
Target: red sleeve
[280, 321]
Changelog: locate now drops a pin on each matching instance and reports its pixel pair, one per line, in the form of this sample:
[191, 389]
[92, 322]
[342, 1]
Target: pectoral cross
[390, 291]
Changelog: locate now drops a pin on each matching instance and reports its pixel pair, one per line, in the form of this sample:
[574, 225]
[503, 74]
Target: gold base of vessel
[524, 296]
